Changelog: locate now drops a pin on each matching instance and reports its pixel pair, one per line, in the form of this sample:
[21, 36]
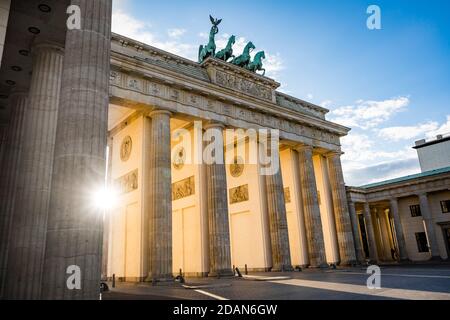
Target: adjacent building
[407, 218]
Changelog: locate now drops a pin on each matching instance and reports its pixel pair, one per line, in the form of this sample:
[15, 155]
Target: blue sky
[391, 86]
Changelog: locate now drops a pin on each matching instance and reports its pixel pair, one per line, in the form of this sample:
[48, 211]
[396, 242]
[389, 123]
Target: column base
[221, 273]
[159, 278]
[323, 265]
[435, 258]
[287, 268]
[349, 263]
[404, 261]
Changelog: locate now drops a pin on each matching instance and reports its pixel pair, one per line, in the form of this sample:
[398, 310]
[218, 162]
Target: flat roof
[430, 143]
[407, 178]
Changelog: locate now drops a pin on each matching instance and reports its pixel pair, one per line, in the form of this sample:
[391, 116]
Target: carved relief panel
[183, 188]
[239, 194]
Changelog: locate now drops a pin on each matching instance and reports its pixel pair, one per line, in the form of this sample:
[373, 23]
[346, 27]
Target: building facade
[434, 154]
[408, 218]
[297, 217]
[78, 101]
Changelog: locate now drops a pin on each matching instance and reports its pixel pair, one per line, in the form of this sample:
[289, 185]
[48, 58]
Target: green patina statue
[227, 53]
[256, 64]
[210, 49]
[244, 59]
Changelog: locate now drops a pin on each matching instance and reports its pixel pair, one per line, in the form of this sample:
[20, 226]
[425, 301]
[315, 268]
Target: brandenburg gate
[104, 112]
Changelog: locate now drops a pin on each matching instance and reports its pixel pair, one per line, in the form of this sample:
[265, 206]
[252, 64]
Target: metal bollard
[114, 280]
[246, 270]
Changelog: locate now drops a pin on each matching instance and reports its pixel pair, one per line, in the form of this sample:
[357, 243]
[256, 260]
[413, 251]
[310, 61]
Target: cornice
[128, 64]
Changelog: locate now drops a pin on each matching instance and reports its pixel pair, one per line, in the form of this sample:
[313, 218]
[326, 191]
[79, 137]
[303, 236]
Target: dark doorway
[446, 232]
[362, 229]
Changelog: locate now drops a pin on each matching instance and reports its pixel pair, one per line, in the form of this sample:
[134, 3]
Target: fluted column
[313, 222]
[9, 177]
[276, 209]
[403, 254]
[32, 202]
[160, 193]
[3, 137]
[430, 225]
[341, 212]
[373, 253]
[74, 232]
[360, 256]
[219, 228]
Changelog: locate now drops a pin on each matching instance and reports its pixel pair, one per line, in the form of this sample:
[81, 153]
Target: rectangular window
[422, 243]
[445, 205]
[415, 210]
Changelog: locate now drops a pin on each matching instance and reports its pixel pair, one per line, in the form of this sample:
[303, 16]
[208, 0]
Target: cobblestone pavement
[397, 282]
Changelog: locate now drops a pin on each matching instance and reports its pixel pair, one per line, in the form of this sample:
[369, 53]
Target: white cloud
[443, 129]
[369, 114]
[310, 96]
[366, 160]
[427, 130]
[326, 103]
[382, 172]
[176, 32]
[203, 35]
[360, 150]
[125, 24]
[407, 132]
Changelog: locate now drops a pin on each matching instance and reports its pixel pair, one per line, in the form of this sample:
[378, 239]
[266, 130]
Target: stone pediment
[238, 79]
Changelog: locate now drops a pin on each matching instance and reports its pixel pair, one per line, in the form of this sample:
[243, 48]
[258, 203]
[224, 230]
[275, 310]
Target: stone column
[313, 222]
[9, 177]
[160, 199]
[403, 254]
[360, 256]
[108, 212]
[370, 231]
[27, 246]
[276, 210]
[429, 223]
[74, 232]
[219, 229]
[3, 137]
[341, 212]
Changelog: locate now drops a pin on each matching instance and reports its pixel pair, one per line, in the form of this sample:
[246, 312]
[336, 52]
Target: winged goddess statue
[210, 49]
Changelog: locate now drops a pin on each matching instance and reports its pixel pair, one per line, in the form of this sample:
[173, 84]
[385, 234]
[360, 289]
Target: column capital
[18, 91]
[47, 46]
[303, 147]
[422, 194]
[333, 153]
[156, 112]
[207, 124]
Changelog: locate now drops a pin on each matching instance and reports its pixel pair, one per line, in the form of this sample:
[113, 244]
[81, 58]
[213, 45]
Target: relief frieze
[183, 188]
[239, 194]
[157, 89]
[231, 81]
[127, 183]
